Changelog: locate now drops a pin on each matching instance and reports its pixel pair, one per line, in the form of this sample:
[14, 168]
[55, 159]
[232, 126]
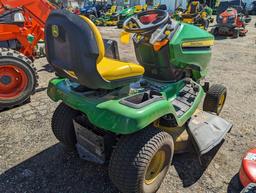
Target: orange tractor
[21, 28]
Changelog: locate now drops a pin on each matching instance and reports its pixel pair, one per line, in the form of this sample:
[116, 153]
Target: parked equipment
[21, 28]
[231, 20]
[135, 115]
[247, 172]
[124, 14]
[92, 10]
[196, 14]
[109, 18]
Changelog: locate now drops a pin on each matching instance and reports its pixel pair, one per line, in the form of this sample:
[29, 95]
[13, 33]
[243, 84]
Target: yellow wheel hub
[155, 167]
[221, 102]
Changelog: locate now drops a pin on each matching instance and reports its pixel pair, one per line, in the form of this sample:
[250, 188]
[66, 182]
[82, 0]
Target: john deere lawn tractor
[124, 14]
[196, 13]
[133, 116]
[110, 17]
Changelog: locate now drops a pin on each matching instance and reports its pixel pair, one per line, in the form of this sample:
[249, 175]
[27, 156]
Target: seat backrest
[138, 7]
[74, 47]
[113, 9]
[193, 7]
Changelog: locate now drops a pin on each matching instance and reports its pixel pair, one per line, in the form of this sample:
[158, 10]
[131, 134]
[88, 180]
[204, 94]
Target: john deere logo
[55, 31]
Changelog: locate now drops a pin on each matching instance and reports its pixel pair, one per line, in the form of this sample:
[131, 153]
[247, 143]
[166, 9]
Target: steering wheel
[146, 21]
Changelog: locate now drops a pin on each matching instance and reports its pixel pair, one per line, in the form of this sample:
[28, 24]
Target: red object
[145, 19]
[35, 13]
[231, 12]
[247, 172]
[13, 81]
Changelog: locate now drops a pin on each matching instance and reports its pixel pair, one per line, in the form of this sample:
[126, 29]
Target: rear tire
[235, 33]
[18, 78]
[215, 98]
[140, 161]
[62, 125]
[215, 31]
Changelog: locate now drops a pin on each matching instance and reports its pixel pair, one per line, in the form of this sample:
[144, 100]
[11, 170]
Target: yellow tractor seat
[76, 50]
[112, 10]
[111, 69]
[140, 8]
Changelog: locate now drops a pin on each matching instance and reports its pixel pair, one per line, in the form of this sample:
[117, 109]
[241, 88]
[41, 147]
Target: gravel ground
[32, 160]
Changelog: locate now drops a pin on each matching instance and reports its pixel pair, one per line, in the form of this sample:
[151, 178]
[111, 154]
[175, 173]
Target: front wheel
[215, 98]
[141, 160]
[235, 33]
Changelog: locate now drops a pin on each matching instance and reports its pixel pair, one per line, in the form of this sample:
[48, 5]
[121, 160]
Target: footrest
[207, 131]
[184, 99]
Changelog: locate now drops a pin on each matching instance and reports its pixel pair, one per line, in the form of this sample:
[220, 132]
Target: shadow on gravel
[55, 170]
[220, 37]
[46, 68]
[190, 168]
[234, 185]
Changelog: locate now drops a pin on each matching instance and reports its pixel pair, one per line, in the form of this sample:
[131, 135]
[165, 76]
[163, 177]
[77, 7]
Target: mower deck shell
[107, 112]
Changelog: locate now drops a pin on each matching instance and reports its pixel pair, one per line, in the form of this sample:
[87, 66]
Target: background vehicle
[134, 115]
[21, 28]
[196, 13]
[109, 17]
[231, 20]
[247, 173]
[124, 14]
[93, 9]
[251, 8]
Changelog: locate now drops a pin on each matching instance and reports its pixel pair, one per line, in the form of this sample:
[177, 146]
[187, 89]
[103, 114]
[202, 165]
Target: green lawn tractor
[124, 14]
[196, 14]
[110, 18]
[133, 117]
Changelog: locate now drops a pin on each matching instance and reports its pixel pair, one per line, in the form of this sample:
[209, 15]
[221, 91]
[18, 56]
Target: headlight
[18, 17]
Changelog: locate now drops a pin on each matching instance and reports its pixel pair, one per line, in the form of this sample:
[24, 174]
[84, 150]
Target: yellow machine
[140, 8]
[111, 11]
[195, 14]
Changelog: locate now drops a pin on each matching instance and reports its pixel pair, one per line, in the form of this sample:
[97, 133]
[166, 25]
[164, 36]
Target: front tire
[215, 98]
[140, 161]
[62, 125]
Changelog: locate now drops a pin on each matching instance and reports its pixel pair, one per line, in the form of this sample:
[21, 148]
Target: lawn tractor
[196, 14]
[110, 17]
[230, 20]
[21, 29]
[117, 19]
[93, 9]
[124, 14]
[133, 116]
[247, 172]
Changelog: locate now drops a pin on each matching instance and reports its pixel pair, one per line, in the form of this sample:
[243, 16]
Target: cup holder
[142, 99]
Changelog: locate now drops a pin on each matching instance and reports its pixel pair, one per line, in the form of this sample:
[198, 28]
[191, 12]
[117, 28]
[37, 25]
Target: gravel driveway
[32, 160]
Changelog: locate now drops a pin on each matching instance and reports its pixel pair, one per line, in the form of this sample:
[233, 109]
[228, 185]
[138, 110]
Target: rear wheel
[18, 78]
[141, 160]
[62, 125]
[215, 31]
[235, 33]
[215, 98]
